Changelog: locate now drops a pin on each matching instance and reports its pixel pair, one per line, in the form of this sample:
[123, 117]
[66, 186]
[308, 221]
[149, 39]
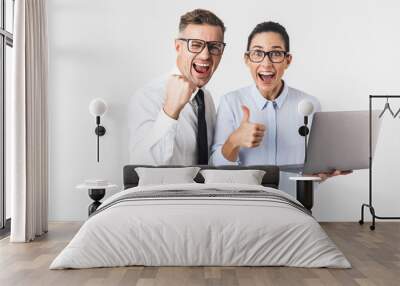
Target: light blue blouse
[281, 144]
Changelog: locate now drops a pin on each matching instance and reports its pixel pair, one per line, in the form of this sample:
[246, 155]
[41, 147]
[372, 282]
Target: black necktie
[202, 144]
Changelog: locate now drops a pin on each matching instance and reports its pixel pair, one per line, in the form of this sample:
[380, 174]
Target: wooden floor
[374, 255]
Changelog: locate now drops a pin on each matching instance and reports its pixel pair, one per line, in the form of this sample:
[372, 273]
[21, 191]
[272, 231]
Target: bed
[201, 224]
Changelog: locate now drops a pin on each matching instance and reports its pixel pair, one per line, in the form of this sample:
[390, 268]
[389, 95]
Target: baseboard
[5, 231]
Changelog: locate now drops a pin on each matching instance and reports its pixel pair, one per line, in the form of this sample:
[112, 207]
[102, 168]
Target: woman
[258, 124]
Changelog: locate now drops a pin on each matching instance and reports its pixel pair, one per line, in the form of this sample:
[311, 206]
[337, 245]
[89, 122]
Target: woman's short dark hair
[270, 27]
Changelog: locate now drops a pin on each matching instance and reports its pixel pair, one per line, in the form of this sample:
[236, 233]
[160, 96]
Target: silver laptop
[339, 141]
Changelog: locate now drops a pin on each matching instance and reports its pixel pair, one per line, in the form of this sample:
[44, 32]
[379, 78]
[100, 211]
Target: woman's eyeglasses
[257, 56]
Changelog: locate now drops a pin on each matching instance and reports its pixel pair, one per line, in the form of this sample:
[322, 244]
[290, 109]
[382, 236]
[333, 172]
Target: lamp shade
[97, 107]
[305, 107]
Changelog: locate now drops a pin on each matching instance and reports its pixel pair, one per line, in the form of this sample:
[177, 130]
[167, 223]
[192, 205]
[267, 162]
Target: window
[6, 44]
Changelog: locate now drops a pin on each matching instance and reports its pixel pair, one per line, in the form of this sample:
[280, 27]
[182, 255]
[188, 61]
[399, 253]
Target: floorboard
[374, 255]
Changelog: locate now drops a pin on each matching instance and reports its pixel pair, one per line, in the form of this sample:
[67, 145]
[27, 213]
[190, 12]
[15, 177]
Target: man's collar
[262, 102]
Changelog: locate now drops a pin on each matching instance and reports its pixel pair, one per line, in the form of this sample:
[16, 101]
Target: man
[258, 124]
[172, 119]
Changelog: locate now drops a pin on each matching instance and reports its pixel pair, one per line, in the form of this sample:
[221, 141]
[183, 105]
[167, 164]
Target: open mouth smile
[266, 76]
[202, 68]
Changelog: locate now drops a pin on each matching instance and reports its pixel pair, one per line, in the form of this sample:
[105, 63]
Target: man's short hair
[200, 17]
[269, 27]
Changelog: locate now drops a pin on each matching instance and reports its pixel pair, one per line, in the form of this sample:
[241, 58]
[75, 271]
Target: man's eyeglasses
[257, 56]
[197, 46]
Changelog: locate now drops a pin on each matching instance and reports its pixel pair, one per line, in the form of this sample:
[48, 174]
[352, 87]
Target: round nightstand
[96, 193]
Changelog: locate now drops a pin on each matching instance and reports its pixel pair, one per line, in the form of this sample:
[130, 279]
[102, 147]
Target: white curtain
[28, 148]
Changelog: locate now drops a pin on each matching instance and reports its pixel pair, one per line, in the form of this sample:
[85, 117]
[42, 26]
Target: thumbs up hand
[246, 114]
[248, 134]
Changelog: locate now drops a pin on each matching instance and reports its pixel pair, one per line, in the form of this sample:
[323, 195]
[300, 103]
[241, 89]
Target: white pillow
[249, 177]
[165, 176]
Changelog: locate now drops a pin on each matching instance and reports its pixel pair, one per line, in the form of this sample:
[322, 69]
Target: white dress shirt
[156, 138]
[281, 144]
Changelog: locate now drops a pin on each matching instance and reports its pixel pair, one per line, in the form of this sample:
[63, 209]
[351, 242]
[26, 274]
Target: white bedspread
[200, 231]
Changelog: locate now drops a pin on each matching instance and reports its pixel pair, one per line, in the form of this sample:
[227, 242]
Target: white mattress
[200, 231]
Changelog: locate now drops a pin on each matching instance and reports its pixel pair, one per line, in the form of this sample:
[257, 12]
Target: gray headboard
[271, 177]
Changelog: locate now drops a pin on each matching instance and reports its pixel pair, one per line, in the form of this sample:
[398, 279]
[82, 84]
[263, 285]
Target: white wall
[343, 51]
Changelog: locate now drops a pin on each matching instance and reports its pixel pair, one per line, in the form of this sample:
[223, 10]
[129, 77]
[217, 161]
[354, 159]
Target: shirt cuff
[164, 123]
[218, 159]
[164, 127]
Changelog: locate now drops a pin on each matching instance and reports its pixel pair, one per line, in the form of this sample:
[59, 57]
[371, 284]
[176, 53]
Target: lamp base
[96, 195]
[303, 130]
[100, 130]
